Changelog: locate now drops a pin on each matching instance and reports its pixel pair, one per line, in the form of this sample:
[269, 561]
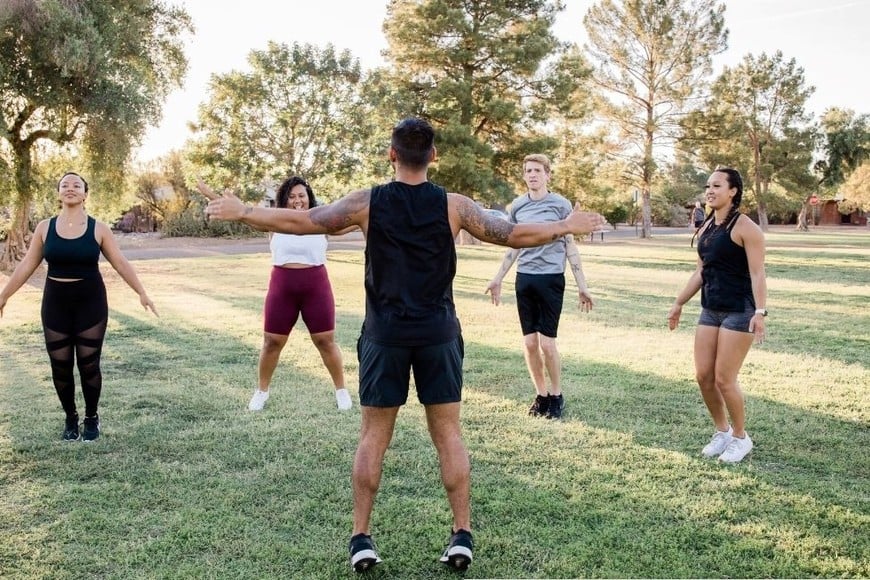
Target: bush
[616, 214]
[190, 221]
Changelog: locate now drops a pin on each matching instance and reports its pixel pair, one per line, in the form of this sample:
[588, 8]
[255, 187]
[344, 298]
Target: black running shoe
[362, 553]
[540, 406]
[457, 554]
[557, 405]
[91, 429]
[71, 429]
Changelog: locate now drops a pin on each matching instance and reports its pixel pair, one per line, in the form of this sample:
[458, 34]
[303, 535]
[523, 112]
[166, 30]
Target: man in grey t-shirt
[540, 285]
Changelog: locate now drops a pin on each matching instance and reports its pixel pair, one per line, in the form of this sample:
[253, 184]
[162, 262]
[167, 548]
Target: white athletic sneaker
[342, 398]
[736, 450]
[258, 400]
[718, 443]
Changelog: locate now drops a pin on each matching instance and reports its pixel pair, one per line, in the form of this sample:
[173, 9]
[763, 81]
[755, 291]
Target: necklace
[70, 223]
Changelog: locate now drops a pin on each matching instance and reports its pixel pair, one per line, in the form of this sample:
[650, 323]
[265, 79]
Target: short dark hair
[284, 191]
[413, 140]
[72, 173]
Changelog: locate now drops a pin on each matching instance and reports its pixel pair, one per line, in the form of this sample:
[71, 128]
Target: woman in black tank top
[730, 275]
[74, 307]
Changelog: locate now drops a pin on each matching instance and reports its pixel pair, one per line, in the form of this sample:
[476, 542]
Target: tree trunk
[762, 216]
[16, 240]
[646, 214]
[802, 225]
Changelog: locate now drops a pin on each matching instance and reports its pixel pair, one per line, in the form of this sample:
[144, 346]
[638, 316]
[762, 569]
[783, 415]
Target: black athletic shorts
[539, 302]
[385, 373]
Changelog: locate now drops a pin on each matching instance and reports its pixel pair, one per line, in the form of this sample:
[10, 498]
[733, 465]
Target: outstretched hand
[584, 222]
[224, 206]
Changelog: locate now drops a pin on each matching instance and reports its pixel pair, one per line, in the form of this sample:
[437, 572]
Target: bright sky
[828, 38]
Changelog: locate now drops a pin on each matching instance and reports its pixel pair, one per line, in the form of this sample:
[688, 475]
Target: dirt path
[153, 246]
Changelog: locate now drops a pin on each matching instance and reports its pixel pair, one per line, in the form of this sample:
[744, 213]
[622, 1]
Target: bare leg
[553, 362]
[273, 344]
[443, 421]
[535, 361]
[376, 431]
[331, 356]
[730, 354]
[706, 342]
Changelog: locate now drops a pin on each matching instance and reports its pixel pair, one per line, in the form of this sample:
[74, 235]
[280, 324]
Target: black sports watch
[761, 311]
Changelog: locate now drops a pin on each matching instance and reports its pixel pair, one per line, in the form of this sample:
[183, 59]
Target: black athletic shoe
[91, 428]
[458, 553]
[540, 406]
[71, 429]
[557, 405]
[362, 553]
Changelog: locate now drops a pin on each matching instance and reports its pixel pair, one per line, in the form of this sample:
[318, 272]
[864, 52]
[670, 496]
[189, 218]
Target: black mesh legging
[74, 317]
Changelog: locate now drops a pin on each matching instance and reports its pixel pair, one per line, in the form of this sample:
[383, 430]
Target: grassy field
[186, 483]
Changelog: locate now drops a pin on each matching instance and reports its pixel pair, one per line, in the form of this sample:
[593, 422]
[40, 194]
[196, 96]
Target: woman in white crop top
[299, 285]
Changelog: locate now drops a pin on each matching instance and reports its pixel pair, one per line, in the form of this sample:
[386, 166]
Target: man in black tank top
[410, 323]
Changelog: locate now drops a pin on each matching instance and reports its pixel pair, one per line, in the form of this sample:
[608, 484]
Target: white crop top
[287, 248]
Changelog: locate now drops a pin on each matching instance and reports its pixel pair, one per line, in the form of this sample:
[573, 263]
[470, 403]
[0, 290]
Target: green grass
[186, 483]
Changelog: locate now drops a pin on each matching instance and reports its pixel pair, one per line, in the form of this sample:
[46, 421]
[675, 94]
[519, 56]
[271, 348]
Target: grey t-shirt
[549, 258]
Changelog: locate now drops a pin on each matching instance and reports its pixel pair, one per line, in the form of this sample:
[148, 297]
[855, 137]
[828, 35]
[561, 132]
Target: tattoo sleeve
[573, 255]
[342, 213]
[488, 228]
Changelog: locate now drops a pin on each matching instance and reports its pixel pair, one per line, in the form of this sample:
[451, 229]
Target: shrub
[190, 221]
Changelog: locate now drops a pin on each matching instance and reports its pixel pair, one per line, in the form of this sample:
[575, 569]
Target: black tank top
[725, 270]
[72, 258]
[410, 264]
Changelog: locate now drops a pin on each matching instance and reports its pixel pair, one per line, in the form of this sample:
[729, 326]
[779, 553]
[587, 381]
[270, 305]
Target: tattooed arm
[351, 210]
[467, 215]
[573, 256]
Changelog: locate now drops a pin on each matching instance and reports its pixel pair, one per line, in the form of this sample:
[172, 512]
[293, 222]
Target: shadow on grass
[186, 483]
[627, 456]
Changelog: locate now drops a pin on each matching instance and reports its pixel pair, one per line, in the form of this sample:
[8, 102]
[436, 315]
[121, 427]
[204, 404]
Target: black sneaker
[91, 428]
[540, 406]
[362, 553]
[71, 429]
[457, 554]
[557, 405]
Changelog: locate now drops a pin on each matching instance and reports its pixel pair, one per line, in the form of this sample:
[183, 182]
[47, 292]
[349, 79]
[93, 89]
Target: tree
[488, 75]
[756, 119]
[86, 72]
[856, 190]
[650, 59]
[299, 110]
[846, 142]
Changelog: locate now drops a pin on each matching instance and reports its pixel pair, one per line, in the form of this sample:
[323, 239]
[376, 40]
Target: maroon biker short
[295, 291]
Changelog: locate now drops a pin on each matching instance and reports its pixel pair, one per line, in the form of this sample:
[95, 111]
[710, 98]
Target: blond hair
[538, 158]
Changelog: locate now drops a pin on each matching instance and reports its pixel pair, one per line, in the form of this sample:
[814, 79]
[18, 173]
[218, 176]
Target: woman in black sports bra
[731, 278]
[74, 306]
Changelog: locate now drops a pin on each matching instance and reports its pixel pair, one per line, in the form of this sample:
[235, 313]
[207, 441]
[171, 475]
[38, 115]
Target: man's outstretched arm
[351, 210]
[466, 214]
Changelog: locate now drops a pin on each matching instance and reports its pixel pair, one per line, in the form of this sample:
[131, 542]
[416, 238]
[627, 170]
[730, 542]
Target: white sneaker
[718, 444]
[736, 450]
[258, 400]
[342, 398]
